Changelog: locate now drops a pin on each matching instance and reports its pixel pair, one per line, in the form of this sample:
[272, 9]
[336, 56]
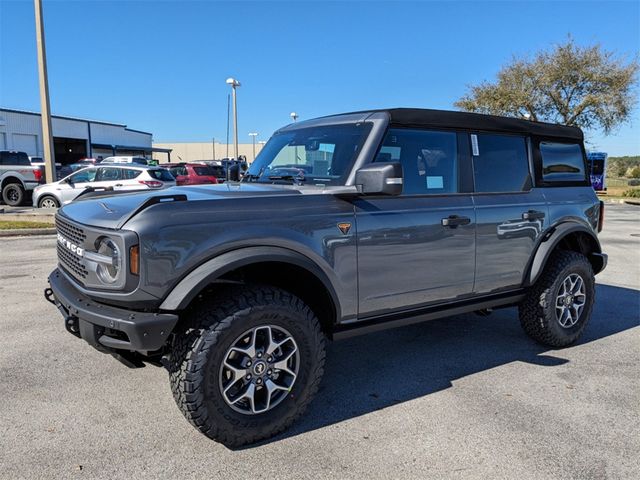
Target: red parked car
[191, 173]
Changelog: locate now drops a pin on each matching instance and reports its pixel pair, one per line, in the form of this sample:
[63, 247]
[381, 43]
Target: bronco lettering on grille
[70, 246]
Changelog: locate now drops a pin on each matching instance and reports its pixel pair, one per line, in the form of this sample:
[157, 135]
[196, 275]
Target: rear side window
[204, 171]
[562, 162]
[429, 160]
[217, 171]
[14, 158]
[500, 163]
[130, 173]
[108, 174]
[161, 174]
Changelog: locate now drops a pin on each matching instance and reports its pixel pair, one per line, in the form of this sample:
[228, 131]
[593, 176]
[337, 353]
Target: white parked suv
[118, 177]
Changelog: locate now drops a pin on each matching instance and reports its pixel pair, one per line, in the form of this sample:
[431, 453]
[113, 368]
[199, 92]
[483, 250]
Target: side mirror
[380, 179]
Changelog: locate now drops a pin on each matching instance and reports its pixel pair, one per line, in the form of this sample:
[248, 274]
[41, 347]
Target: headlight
[108, 271]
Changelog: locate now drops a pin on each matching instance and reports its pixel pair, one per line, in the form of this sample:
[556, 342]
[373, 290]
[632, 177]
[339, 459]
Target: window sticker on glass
[474, 145]
[435, 181]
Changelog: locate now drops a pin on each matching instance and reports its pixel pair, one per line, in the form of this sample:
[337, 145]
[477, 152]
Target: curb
[24, 232]
[620, 201]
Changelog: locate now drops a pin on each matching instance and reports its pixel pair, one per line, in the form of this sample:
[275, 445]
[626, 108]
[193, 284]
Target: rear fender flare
[550, 241]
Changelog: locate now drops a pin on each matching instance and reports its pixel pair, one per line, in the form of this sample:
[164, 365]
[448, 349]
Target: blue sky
[161, 66]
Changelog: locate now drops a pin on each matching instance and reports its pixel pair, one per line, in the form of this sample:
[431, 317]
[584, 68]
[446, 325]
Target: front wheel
[557, 308]
[48, 202]
[245, 366]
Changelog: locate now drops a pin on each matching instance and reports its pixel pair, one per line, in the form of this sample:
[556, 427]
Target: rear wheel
[558, 307]
[48, 202]
[245, 366]
[13, 194]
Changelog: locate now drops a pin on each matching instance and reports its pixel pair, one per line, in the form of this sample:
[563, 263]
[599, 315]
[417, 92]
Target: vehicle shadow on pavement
[375, 371]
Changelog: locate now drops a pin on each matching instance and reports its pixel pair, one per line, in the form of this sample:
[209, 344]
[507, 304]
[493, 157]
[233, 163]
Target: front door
[418, 248]
[75, 184]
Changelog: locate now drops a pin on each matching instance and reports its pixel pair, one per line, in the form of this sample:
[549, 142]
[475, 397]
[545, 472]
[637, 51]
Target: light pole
[234, 84]
[253, 135]
[47, 139]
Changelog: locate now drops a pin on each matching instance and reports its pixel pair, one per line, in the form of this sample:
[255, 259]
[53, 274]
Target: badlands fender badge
[344, 227]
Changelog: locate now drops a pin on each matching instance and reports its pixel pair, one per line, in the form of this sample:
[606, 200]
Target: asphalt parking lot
[465, 397]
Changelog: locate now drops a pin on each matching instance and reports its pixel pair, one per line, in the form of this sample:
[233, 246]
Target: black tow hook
[48, 295]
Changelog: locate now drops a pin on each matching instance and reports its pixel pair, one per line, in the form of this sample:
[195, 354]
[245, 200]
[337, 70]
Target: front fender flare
[550, 241]
[186, 290]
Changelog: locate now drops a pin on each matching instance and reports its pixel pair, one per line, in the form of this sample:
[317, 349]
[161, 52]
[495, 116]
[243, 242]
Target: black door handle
[453, 221]
[533, 215]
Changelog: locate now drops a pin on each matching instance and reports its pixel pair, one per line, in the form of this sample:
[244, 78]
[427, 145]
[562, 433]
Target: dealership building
[73, 138]
[197, 151]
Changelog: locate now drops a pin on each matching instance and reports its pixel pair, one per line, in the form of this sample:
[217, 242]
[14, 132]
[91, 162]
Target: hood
[113, 211]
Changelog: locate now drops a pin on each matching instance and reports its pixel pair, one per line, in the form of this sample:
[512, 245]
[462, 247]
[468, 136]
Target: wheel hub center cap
[259, 368]
[568, 300]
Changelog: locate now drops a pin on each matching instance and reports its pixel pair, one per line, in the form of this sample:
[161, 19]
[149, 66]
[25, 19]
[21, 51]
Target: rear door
[510, 213]
[108, 177]
[418, 248]
[129, 179]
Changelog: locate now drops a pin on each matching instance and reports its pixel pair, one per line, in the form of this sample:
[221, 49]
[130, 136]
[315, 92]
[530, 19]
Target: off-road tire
[13, 194]
[48, 197]
[537, 311]
[203, 337]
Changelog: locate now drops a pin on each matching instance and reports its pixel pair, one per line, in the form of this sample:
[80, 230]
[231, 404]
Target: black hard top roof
[422, 117]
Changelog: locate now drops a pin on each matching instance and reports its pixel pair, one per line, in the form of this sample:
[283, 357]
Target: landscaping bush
[634, 182]
[632, 193]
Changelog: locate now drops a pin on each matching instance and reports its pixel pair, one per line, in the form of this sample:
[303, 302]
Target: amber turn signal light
[134, 260]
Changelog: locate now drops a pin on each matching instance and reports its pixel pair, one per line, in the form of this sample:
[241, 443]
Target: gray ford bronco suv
[342, 225]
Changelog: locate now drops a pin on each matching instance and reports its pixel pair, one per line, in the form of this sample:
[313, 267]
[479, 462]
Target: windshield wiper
[290, 178]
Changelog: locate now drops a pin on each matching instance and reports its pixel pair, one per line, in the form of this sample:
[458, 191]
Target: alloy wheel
[48, 203]
[259, 369]
[571, 300]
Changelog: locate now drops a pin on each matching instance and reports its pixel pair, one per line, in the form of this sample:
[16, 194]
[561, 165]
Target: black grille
[70, 232]
[69, 260]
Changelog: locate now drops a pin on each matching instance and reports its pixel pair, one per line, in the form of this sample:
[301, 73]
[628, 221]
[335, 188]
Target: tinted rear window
[161, 174]
[562, 162]
[14, 158]
[204, 171]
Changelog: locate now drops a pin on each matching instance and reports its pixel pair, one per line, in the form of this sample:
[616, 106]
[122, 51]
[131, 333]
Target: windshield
[314, 156]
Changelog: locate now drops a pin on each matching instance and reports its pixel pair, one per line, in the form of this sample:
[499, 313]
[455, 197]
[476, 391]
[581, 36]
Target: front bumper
[104, 327]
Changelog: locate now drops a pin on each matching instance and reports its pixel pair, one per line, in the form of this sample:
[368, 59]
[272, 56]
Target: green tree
[586, 87]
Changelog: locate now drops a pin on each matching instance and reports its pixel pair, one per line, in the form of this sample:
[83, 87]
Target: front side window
[84, 176]
[562, 162]
[429, 160]
[315, 155]
[500, 163]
